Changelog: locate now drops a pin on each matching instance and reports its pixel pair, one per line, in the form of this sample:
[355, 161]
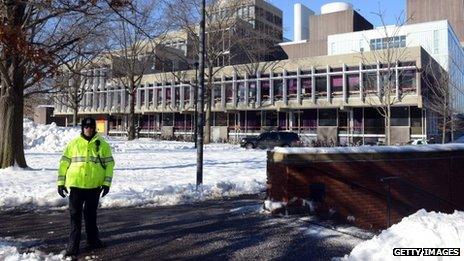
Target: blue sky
[392, 9]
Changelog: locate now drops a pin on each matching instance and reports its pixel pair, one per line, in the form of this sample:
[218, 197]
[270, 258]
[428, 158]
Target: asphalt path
[229, 229]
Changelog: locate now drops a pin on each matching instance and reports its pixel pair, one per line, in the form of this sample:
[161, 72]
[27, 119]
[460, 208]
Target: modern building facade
[330, 97]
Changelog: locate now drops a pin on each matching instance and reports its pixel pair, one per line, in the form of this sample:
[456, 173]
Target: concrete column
[247, 89]
[173, 95]
[397, 85]
[378, 78]
[361, 83]
[284, 87]
[163, 96]
[234, 89]
[258, 89]
[313, 85]
[298, 86]
[182, 96]
[345, 89]
[155, 97]
[271, 87]
[329, 86]
[223, 93]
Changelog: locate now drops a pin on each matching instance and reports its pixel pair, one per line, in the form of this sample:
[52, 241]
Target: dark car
[269, 140]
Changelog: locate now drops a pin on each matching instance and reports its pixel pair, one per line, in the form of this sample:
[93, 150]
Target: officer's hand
[62, 190]
[105, 190]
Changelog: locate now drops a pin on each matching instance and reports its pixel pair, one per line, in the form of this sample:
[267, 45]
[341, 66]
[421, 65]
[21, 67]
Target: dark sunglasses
[86, 127]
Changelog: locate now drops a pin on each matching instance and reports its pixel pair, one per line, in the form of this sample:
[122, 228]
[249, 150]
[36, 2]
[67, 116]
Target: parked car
[269, 140]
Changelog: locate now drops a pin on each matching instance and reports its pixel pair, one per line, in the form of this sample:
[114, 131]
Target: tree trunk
[75, 110]
[11, 123]
[131, 134]
[443, 129]
[388, 127]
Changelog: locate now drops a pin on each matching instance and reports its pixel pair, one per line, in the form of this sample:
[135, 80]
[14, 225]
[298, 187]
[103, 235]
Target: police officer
[86, 167]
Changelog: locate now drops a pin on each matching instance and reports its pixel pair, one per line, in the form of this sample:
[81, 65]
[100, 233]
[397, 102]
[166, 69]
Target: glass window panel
[321, 86]
[278, 89]
[400, 116]
[292, 87]
[306, 87]
[328, 117]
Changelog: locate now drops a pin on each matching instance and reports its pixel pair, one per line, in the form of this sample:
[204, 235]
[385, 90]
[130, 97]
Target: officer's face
[88, 131]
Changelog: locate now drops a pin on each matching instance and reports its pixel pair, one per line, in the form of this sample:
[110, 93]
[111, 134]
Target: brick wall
[350, 183]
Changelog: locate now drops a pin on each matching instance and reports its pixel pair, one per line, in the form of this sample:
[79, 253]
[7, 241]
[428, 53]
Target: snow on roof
[372, 149]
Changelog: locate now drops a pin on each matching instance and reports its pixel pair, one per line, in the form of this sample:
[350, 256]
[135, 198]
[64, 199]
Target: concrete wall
[350, 183]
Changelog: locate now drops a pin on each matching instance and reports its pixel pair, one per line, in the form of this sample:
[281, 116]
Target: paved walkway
[230, 229]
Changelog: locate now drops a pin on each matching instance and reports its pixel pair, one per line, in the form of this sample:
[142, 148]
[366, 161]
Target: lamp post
[200, 106]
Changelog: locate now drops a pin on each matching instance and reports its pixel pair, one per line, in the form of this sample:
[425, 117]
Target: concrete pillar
[313, 85]
[329, 85]
[298, 86]
[345, 89]
[258, 89]
[284, 87]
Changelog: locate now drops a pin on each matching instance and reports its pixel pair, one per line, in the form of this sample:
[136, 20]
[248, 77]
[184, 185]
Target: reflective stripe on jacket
[80, 166]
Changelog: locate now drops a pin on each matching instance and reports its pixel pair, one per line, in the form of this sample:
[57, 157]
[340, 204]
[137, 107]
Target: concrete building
[420, 11]
[325, 90]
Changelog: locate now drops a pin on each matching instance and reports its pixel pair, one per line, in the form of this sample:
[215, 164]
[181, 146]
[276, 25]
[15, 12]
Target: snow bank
[9, 252]
[372, 149]
[422, 229]
[147, 172]
[47, 138]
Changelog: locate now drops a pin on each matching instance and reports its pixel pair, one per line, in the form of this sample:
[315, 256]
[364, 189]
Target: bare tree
[222, 32]
[383, 93]
[72, 79]
[132, 52]
[439, 97]
[34, 37]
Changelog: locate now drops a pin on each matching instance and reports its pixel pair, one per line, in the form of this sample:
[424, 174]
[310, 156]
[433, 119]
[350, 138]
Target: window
[306, 87]
[407, 81]
[278, 89]
[400, 116]
[292, 88]
[241, 91]
[388, 42]
[229, 92]
[252, 91]
[353, 83]
[321, 85]
[370, 82]
[328, 117]
[265, 89]
[337, 84]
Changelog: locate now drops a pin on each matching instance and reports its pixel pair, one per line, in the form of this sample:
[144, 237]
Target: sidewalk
[232, 229]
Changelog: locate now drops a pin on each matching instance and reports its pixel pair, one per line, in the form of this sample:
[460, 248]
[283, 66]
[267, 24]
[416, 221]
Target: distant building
[320, 91]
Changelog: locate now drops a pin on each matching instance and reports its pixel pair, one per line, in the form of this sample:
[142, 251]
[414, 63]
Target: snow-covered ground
[420, 230]
[152, 173]
[147, 172]
[9, 252]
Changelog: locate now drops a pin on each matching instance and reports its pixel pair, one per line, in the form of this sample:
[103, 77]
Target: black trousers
[83, 200]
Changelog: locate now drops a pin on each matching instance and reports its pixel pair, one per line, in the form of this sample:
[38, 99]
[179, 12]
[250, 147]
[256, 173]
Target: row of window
[363, 120]
[388, 42]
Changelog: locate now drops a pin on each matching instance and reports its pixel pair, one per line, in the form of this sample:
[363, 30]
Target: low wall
[360, 183]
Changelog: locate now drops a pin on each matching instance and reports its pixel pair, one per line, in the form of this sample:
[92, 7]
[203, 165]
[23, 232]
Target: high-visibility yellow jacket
[82, 166]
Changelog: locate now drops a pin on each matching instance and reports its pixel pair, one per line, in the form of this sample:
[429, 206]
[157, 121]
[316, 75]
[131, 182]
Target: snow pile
[9, 252]
[422, 230]
[147, 172]
[47, 138]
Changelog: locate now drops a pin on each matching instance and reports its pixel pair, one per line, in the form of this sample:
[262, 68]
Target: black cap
[88, 122]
